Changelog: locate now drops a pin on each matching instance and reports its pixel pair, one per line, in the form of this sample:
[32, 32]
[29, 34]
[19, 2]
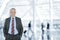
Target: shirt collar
[11, 17]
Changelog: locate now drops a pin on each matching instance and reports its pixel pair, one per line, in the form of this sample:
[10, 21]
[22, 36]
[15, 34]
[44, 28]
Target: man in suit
[13, 27]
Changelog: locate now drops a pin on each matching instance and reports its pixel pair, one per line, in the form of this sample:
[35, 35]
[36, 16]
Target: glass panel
[36, 13]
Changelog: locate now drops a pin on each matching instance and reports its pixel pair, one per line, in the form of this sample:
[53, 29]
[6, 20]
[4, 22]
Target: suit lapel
[8, 24]
[16, 22]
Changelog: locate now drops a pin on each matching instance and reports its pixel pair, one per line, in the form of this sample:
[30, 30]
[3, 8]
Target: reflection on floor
[54, 35]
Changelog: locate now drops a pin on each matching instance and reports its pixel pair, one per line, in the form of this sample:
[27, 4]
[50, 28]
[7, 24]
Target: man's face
[12, 12]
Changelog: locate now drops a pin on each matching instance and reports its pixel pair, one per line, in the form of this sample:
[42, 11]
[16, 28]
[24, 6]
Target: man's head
[12, 12]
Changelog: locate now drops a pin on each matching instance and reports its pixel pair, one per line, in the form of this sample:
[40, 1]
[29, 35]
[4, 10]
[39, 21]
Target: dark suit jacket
[18, 26]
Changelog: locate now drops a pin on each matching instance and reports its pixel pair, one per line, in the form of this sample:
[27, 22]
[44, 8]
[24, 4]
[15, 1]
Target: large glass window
[36, 12]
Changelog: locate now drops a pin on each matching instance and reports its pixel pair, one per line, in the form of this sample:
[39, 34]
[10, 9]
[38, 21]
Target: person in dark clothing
[13, 28]
[48, 32]
[42, 26]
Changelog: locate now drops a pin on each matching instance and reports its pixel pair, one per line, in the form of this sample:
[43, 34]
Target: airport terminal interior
[43, 16]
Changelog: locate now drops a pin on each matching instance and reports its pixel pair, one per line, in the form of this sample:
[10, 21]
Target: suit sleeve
[4, 29]
[21, 28]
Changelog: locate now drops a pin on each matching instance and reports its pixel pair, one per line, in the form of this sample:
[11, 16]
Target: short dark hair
[12, 9]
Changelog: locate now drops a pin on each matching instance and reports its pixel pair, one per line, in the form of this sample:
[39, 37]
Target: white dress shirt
[10, 27]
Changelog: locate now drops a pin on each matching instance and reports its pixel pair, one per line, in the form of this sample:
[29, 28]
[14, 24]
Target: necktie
[12, 26]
